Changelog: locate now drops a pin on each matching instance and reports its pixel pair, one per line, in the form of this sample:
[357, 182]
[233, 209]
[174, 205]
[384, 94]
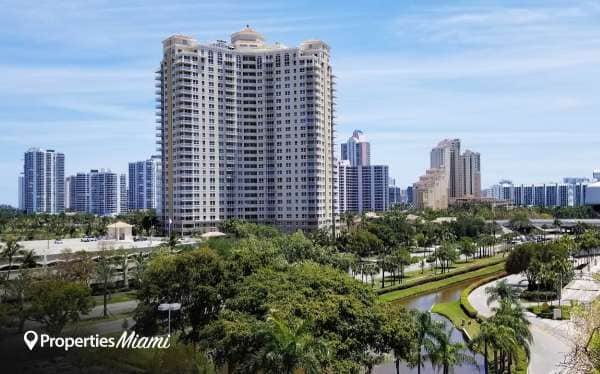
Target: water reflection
[424, 303]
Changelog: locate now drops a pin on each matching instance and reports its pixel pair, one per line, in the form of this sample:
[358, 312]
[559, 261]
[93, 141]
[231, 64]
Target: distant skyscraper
[21, 191]
[463, 170]
[446, 156]
[469, 174]
[396, 196]
[545, 194]
[246, 131]
[99, 192]
[44, 181]
[357, 150]
[596, 175]
[363, 188]
[145, 185]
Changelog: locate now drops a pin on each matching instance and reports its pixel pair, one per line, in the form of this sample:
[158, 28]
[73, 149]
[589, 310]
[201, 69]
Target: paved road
[550, 338]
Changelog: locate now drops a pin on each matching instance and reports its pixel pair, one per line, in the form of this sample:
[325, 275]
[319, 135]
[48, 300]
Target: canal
[424, 303]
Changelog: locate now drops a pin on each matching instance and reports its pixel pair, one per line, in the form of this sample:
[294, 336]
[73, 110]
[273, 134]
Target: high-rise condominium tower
[43, 181]
[246, 130]
[144, 184]
[357, 150]
[463, 170]
[446, 156]
[100, 192]
[470, 174]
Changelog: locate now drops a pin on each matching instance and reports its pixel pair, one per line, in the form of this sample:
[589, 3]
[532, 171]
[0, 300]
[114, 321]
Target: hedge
[464, 295]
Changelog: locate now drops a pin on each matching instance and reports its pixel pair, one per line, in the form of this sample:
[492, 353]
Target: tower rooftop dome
[248, 38]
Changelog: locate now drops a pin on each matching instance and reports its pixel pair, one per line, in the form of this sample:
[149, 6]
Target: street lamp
[169, 307]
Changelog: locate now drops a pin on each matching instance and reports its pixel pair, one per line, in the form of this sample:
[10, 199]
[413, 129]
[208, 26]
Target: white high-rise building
[357, 150]
[43, 181]
[145, 185]
[101, 192]
[245, 130]
[363, 188]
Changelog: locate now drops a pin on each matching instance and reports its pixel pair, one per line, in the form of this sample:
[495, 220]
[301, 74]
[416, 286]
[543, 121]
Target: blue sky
[517, 81]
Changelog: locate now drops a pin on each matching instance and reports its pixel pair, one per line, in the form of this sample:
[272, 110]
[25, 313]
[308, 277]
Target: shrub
[538, 295]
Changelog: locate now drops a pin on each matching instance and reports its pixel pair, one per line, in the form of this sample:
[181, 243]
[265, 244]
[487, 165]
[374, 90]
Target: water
[424, 303]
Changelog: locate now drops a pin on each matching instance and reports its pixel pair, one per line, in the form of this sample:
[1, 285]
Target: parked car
[58, 241]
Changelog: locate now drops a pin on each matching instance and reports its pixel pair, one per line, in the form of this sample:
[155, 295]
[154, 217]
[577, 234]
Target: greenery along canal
[424, 302]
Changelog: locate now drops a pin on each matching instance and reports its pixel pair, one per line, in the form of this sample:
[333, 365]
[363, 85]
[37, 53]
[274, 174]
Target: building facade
[245, 130]
[357, 150]
[43, 181]
[145, 185]
[363, 188]
[431, 190]
[21, 189]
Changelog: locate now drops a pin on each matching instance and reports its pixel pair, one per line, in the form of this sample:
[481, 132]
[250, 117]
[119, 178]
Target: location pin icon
[30, 338]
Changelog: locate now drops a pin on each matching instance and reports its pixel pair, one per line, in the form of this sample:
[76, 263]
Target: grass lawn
[435, 285]
[455, 313]
[116, 297]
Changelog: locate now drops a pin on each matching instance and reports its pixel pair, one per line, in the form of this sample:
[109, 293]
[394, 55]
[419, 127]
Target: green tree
[446, 354]
[467, 247]
[9, 250]
[290, 346]
[399, 332]
[105, 268]
[427, 330]
[501, 291]
[55, 302]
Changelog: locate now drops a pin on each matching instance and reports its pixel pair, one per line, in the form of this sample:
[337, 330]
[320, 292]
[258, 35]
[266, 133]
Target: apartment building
[145, 185]
[357, 150]
[245, 130]
[99, 192]
[363, 188]
[431, 190]
[43, 185]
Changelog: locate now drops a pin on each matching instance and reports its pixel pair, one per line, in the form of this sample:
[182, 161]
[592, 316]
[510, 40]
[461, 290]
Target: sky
[517, 81]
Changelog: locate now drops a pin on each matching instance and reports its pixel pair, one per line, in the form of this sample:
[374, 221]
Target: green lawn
[455, 313]
[435, 285]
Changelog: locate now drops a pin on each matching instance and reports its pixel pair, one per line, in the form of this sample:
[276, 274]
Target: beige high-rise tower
[245, 130]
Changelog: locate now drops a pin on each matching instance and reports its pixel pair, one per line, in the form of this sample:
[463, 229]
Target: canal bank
[424, 302]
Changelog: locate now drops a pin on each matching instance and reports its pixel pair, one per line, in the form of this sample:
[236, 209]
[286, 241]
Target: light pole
[169, 307]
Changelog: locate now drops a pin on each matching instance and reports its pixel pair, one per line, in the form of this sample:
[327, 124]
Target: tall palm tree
[426, 330]
[502, 291]
[447, 354]
[485, 339]
[290, 347]
[104, 273]
[512, 315]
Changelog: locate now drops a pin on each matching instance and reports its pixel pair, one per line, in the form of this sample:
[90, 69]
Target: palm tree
[10, 249]
[28, 259]
[502, 291]
[104, 273]
[290, 347]
[511, 315]
[487, 334]
[446, 354]
[426, 330]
